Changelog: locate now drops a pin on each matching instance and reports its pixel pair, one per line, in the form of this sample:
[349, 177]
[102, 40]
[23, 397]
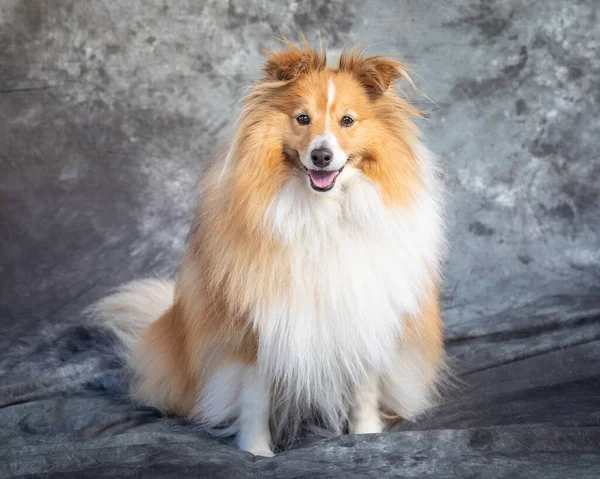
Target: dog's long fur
[321, 304]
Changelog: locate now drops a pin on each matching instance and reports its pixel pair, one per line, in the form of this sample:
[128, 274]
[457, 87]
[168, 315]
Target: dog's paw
[371, 426]
[260, 447]
[262, 452]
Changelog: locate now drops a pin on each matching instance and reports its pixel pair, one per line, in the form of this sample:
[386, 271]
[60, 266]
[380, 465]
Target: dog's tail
[142, 316]
[132, 308]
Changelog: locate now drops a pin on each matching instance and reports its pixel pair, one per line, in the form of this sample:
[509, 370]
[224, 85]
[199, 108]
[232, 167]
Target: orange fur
[426, 332]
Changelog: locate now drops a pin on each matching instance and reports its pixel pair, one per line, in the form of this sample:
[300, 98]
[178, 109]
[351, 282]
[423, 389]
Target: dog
[308, 295]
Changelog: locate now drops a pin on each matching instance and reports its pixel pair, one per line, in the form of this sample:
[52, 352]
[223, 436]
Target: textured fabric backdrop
[108, 110]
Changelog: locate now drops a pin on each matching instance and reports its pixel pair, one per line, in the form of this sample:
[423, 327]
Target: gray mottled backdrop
[108, 110]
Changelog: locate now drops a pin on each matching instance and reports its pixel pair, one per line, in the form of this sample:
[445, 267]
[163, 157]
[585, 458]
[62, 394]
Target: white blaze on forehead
[330, 97]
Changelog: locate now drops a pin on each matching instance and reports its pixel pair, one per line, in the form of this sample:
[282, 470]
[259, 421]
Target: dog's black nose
[321, 157]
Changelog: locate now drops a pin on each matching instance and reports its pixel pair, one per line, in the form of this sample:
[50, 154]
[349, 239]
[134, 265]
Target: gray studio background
[109, 109]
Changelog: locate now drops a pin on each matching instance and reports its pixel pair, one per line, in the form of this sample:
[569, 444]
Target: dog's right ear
[287, 65]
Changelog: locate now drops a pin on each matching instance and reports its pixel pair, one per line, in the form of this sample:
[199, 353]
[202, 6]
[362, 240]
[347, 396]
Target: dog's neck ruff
[357, 270]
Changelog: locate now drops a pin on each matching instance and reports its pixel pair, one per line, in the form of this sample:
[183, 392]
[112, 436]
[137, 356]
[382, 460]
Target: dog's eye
[303, 119]
[347, 120]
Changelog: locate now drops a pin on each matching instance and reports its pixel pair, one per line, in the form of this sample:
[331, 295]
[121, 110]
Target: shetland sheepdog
[308, 292]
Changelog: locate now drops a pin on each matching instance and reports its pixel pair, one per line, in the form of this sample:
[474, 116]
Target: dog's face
[330, 123]
[336, 123]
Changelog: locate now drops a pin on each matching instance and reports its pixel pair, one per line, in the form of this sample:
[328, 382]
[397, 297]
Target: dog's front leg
[254, 434]
[365, 417]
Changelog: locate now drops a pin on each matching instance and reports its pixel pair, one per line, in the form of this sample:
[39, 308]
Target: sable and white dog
[309, 289]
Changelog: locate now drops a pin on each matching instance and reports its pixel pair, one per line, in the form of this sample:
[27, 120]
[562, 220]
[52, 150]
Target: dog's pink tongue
[321, 178]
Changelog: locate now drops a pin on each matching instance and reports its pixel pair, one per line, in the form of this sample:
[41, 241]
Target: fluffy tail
[142, 317]
[132, 308]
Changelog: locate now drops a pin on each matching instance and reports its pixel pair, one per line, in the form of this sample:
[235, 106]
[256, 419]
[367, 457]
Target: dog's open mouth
[323, 180]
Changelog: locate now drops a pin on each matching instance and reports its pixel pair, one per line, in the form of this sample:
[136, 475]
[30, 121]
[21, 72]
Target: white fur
[255, 407]
[358, 269]
[330, 98]
[365, 415]
[219, 404]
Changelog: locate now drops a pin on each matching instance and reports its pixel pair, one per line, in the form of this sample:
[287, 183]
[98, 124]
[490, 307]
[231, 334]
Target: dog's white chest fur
[357, 269]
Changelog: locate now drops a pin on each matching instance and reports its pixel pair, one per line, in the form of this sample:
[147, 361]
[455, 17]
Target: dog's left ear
[377, 73]
[289, 64]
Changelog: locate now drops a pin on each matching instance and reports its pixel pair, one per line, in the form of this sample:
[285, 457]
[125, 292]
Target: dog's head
[327, 125]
